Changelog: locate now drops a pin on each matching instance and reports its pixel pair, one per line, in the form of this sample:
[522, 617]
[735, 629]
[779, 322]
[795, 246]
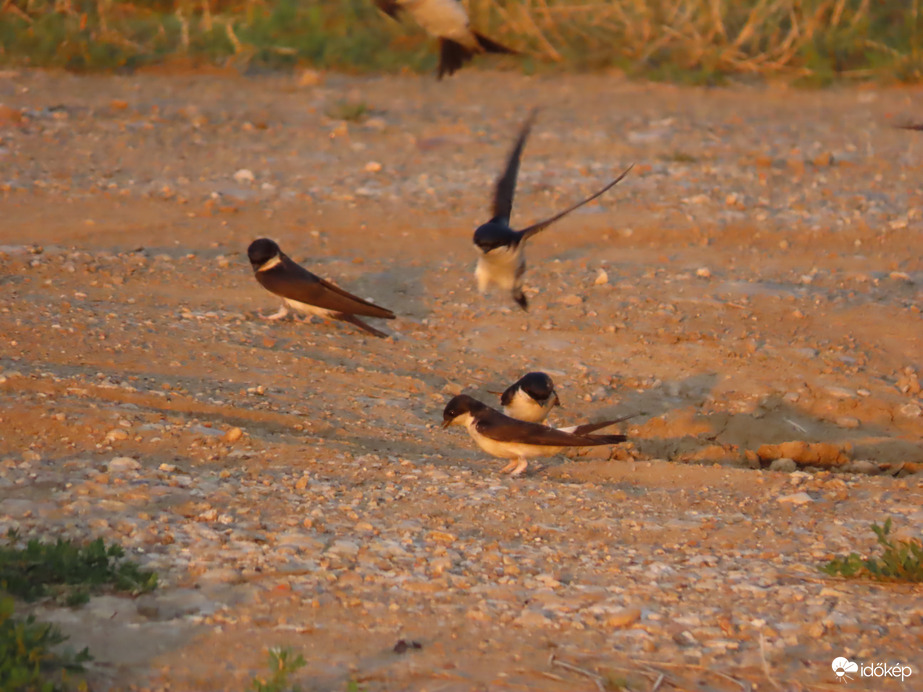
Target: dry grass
[673, 39]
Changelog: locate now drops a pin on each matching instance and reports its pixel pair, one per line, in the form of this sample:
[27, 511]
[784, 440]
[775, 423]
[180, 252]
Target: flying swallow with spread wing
[502, 260]
[307, 293]
[448, 21]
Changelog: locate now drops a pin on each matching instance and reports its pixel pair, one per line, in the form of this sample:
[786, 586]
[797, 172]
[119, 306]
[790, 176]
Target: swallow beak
[446, 424]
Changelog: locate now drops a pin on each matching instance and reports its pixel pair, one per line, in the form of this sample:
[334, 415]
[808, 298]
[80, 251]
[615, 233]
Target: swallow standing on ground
[532, 397]
[516, 440]
[309, 294]
[502, 261]
[448, 21]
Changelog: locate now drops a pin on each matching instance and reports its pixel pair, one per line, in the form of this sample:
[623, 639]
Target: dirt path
[756, 280]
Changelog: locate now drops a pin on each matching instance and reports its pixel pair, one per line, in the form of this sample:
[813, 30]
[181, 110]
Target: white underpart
[500, 267]
[444, 19]
[517, 452]
[306, 309]
[524, 407]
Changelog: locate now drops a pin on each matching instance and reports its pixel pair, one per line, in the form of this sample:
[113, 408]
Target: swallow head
[261, 251]
[539, 386]
[493, 235]
[460, 410]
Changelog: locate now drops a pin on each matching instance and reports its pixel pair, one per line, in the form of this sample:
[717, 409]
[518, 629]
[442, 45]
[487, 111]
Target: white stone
[123, 464]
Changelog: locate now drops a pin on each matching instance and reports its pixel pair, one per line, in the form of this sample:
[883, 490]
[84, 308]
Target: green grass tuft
[68, 571]
[29, 655]
[350, 111]
[282, 663]
[900, 560]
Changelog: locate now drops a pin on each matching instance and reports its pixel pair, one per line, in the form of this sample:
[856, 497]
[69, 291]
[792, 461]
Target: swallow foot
[282, 312]
[520, 469]
[521, 300]
[510, 467]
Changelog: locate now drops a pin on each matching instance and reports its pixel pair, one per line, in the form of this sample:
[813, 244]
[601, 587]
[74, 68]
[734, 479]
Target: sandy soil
[756, 280]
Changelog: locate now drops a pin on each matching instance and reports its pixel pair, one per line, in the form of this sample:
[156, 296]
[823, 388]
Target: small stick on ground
[580, 671]
[766, 663]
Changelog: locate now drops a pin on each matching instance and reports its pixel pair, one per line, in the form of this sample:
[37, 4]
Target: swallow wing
[502, 428]
[507, 397]
[506, 184]
[588, 428]
[292, 281]
[527, 233]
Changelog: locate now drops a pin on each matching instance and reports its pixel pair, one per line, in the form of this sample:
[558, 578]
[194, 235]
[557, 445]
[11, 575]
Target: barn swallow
[309, 294]
[516, 440]
[502, 260]
[448, 21]
[532, 397]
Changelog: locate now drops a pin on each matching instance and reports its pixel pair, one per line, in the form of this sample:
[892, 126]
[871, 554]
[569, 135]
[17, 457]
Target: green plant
[282, 663]
[353, 686]
[900, 560]
[28, 661]
[614, 683]
[68, 571]
[351, 111]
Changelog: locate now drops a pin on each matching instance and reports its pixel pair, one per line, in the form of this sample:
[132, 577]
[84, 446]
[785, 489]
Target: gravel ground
[753, 289]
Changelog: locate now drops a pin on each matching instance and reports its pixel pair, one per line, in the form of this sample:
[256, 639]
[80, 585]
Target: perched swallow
[502, 260]
[309, 294]
[448, 21]
[508, 438]
[532, 397]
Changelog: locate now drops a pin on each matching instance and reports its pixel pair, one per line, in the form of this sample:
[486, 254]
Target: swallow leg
[282, 312]
[521, 465]
[520, 298]
[510, 466]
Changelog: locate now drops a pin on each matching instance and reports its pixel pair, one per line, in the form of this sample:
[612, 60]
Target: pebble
[116, 434]
[623, 617]
[784, 465]
[373, 167]
[801, 498]
[862, 466]
[244, 175]
[233, 435]
[601, 279]
[848, 422]
[118, 464]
